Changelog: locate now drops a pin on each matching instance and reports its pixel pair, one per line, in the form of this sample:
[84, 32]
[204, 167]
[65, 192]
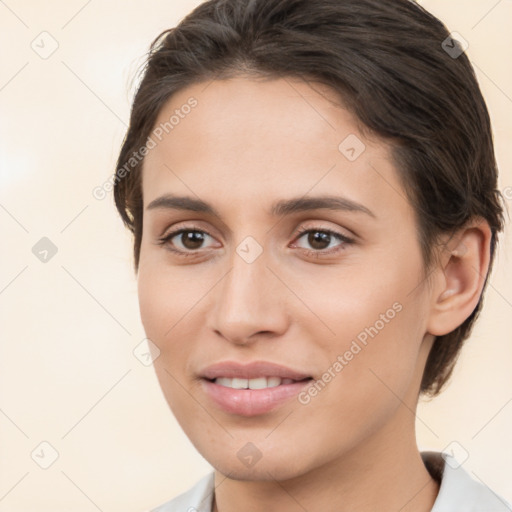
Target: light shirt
[458, 491]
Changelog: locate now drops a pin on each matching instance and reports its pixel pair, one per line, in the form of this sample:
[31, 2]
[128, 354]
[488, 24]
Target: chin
[261, 474]
[267, 468]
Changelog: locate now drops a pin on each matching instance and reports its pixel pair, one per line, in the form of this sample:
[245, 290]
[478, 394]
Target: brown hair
[387, 61]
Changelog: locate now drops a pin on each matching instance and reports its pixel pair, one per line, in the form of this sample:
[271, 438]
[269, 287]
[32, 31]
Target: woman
[311, 185]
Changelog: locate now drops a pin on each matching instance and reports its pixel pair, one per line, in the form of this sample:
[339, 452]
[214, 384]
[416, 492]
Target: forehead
[258, 141]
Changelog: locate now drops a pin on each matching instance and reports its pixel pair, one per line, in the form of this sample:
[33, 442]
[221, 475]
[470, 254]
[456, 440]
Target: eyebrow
[278, 209]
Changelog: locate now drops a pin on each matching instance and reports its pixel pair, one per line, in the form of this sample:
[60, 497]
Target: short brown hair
[387, 61]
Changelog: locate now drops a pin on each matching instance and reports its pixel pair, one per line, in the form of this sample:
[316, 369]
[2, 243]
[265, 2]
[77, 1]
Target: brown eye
[191, 240]
[320, 240]
[185, 241]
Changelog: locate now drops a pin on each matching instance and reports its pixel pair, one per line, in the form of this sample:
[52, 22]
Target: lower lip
[251, 402]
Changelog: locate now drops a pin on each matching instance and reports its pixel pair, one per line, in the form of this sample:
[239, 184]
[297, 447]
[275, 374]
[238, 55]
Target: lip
[251, 402]
[253, 370]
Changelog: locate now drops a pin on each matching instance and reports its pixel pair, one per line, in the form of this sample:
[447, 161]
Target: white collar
[458, 492]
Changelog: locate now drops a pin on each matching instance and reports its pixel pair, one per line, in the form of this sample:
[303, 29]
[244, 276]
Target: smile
[257, 383]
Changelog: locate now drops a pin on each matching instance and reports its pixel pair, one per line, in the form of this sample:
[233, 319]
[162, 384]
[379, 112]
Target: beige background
[68, 375]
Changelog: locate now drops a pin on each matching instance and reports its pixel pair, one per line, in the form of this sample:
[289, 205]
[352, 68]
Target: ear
[461, 272]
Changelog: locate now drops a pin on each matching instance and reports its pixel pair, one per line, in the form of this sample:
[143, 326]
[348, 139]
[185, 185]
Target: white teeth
[223, 381]
[239, 383]
[258, 383]
[272, 382]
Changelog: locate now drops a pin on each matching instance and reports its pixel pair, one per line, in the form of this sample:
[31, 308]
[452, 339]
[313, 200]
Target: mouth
[255, 383]
[251, 389]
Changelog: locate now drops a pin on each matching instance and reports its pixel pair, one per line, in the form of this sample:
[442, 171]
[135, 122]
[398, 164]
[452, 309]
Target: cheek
[375, 325]
[170, 300]
[152, 305]
[166, 298]
[161, 308]
[365, 382]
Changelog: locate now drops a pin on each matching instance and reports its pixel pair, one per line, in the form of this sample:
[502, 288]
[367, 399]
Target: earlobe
[462, 272]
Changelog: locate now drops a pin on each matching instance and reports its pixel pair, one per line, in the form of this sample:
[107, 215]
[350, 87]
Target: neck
[386, 474]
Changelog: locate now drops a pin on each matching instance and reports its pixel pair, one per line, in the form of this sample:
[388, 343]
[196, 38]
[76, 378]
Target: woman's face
[343, 304]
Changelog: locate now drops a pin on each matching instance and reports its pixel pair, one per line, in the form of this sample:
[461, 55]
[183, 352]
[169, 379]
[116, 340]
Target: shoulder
[458, 490]
[198, 498]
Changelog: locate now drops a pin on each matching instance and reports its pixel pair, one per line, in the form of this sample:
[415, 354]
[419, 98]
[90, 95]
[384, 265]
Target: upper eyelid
[179, 230]
[337, 231]
[297, 231]
[185, 227]
[192, 225]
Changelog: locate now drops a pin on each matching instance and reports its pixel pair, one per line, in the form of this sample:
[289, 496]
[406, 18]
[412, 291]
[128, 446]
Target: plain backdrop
[74, 396]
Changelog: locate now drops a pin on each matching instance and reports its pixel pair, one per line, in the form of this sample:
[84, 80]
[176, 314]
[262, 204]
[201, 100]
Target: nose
[249, 303]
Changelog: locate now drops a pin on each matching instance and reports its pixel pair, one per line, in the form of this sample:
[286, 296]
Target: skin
[246, 144]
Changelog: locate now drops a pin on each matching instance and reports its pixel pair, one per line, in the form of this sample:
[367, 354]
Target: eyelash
[309, 252]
